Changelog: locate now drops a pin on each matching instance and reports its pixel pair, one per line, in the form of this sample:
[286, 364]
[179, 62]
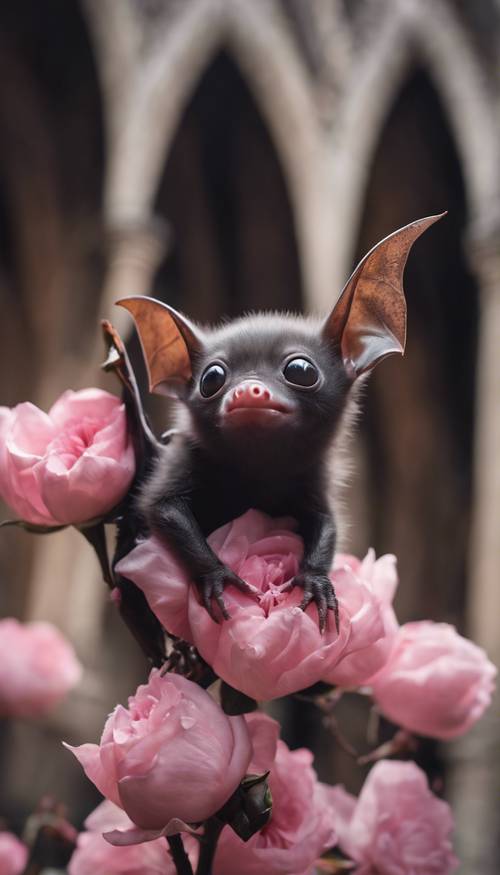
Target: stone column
[136, 251]
[475, 759]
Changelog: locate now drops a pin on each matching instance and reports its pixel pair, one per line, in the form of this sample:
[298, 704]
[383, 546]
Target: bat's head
[278, 384]
[268, 384]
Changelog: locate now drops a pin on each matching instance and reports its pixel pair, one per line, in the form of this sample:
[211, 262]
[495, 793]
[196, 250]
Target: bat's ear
[168, 341]
[368, 321]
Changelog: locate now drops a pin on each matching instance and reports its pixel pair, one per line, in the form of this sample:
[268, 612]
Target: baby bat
[264, 397]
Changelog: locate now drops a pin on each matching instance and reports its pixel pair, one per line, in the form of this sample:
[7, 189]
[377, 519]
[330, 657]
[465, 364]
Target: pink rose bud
[269, 647]
[69, 465]
[95, 856]
[13, 854]
[172, 756]
[397, 825]
[436, 682]
[37, 668]
[301, 827]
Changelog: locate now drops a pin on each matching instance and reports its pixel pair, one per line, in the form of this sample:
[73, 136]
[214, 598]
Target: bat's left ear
[368, 321]
[168, 340]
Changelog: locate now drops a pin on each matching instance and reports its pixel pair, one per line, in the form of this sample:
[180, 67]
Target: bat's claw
[318, 588]
[212, 590]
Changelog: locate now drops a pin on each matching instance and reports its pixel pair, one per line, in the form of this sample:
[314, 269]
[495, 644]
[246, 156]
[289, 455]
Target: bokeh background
[227, 155]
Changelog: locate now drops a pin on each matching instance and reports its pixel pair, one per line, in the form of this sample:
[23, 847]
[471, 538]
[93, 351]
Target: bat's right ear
[368, 322]
[168, 341]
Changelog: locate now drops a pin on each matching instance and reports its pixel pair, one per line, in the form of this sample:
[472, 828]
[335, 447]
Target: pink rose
[37, 668]
[172, 756]
[95, 855]
[301, 827]
[397, 826]
[380, 578]
[436, 682]
[13, 854]
[69, 465]
[269, 647]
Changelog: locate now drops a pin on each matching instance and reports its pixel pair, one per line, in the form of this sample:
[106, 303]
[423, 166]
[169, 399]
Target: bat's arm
[318, 530]
[319, 533]
[174, 522]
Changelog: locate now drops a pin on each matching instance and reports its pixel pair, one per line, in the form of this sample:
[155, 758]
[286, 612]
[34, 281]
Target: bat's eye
[212, 379]
[300, 372]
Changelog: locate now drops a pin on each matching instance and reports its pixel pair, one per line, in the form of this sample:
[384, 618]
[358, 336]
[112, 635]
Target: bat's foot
[211, 586]
[318, 588]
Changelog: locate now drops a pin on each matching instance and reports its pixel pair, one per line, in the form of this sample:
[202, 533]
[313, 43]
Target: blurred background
[227, 155]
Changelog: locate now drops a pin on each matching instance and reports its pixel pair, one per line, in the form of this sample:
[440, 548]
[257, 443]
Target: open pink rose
[397, 826]
[172, 756]
[95, 856]
[69, 465]
[302, 824]
[37, 668]
[13, 854]
[269, 647]
[436, 682]
[380, 578]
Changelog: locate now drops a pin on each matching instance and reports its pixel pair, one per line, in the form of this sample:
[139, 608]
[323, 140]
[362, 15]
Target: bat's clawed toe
[211, 587]
[319, 589]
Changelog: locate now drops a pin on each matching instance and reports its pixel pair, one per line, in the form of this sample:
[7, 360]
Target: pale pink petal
[159, 574]
[38, 667]
[13, 854]
[436, 682]
[88, 755]
[92, 486]
[264, 734]
[91, 403]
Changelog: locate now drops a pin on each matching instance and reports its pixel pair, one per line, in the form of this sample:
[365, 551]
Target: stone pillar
[475, 759]
[135, 254]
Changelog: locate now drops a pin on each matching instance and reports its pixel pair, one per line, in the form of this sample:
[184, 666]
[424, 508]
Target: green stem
[208, 845]
[179, 856]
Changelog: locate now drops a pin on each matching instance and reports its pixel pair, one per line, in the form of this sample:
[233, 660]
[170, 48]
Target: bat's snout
[253, 396]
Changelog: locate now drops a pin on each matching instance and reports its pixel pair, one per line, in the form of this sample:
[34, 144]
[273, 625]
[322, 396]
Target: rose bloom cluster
[173, 759]
[424, 676]
[396, 825]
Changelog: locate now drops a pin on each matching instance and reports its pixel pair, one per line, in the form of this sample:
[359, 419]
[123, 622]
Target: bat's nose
[252, 403]
[249, 393]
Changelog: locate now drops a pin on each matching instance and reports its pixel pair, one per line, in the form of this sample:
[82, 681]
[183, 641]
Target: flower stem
[179, 856]
[213, 829]
[96, 536]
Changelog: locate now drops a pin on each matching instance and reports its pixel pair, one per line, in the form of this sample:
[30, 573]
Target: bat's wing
[146, 445]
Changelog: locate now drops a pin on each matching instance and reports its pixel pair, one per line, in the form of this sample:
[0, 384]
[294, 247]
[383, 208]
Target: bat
[262, 400]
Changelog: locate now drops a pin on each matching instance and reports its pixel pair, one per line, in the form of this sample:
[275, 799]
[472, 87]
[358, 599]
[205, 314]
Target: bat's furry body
[265, 399]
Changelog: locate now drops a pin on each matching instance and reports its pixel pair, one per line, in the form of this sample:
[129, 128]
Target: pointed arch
[428, 33]
[256, 36]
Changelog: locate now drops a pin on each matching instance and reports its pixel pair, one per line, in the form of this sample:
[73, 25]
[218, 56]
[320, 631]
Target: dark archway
[224, 195]
[418, 427]
[51, 177]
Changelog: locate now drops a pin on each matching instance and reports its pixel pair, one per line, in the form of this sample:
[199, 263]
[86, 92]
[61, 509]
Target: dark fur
[209, 474]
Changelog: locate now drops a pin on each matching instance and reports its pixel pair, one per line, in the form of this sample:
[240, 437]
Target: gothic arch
[430, 34]
[256, 37]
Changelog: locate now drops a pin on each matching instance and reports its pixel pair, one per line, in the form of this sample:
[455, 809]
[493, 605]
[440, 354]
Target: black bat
[263, 399]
